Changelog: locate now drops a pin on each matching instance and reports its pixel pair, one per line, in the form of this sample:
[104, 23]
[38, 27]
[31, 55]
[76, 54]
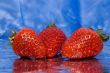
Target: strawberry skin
[83, 43]
[53, 39]
[27, 43]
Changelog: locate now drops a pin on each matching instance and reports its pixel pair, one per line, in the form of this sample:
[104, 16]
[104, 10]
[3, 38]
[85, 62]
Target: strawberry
[27, 43]
[53, 38]
[83, 43]
[83, 66]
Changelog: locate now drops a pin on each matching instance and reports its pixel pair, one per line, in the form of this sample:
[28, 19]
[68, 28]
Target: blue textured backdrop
[68, 15]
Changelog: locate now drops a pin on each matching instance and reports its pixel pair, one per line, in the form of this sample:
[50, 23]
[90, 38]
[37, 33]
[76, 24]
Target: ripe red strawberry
[83, 66]
[53, 39]
[27, 43]
[83, 43]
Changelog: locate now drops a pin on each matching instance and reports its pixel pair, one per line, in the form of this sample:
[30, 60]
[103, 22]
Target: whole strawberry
[83, 43]
[27, 43]
[53, 39]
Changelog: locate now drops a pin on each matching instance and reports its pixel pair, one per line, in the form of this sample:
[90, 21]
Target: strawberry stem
[51, 25]
[11, 38]
[103, 36]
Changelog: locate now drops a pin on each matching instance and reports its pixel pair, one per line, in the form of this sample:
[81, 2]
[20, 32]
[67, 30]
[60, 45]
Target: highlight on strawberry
[84, 43]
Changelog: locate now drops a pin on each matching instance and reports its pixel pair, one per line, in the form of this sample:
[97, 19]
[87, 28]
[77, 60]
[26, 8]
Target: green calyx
[11, 38]
[103, 36]
[51, 25]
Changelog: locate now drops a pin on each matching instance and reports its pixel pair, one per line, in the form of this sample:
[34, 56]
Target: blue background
[68, 15]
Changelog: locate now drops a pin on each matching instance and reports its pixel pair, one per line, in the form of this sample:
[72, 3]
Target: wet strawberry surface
[10, 63]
